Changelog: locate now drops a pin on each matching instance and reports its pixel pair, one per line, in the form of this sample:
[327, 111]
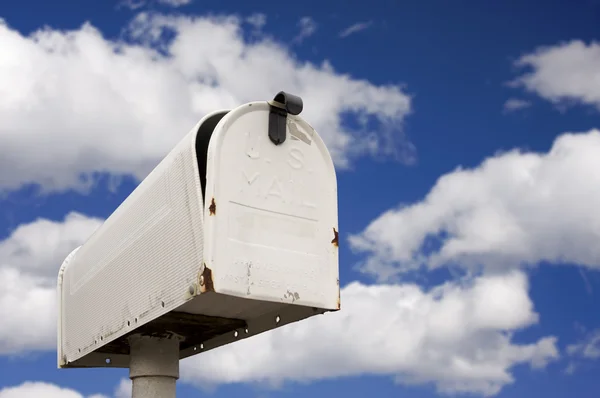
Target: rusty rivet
[213, 207]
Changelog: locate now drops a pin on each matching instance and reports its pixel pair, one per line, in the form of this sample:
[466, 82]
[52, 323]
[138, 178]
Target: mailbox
[234, 233]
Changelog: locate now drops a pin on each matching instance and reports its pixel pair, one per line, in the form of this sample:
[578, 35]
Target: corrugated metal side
[142, 260]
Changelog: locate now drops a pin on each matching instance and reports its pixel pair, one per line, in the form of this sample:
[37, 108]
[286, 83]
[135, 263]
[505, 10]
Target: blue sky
[465, 139]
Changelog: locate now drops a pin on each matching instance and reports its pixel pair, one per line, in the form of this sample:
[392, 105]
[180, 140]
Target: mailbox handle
[282, 104]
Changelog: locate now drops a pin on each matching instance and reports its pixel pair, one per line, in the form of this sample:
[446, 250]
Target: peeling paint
[206, 281]
[335, 240]
[296, 133]
[213, 207]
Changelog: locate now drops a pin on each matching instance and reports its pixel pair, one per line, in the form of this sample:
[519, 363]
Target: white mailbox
[234, 233]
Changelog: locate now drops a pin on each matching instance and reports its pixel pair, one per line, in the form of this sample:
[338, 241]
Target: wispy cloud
[131, 4]
[257, 20]
[135, 4]
[587, 348]
[308, 27]
[357, 27]
[515, 104]
[174, 3]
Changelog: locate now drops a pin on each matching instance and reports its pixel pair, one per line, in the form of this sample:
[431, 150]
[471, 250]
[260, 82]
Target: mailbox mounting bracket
[282, 104]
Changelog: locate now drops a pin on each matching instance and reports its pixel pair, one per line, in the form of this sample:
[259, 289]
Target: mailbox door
[271, 224]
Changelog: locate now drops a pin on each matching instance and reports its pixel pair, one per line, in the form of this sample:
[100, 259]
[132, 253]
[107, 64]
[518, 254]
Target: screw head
[201, 280]
[192, 289]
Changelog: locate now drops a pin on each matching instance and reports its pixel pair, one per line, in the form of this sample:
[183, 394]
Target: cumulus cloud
[28, 313]
[357, 27]
[515, 104]
[123, 389]
[516, 208]
[74, 102]
[41, 389]
[30, 389]
[568, 71]
[456, 336]
[29, 261]
[41, 246]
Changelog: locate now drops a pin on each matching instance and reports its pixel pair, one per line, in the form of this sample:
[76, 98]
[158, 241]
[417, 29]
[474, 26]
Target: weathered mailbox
[234, 233]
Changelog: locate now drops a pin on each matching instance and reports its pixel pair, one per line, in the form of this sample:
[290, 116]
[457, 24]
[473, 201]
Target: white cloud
[41, 246]
[174, 3]
[565, 72]
[28, 313]
[29, 261]
[515, 104]
[457, 336]
[73, 103]
[135, 4]
[357, 27]
[132, 4]
[588, 348]
[515, 209]
[123, 389]
[257, 20]
[307, 26]
[41, 389]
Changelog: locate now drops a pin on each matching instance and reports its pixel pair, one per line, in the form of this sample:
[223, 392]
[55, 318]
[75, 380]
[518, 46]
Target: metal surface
[276, 216]
[139, 264]
[212, 267]
[154, 366]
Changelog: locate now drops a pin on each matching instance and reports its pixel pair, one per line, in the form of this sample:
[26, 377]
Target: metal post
[153, 366]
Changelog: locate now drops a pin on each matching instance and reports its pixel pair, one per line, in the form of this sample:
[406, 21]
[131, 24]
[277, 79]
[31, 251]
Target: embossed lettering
[275, 189]
[250, 180]
[296, 158]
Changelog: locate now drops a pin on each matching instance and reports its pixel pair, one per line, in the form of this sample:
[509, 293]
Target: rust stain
[206, 281]
[339, 299]
[335, 240]
[213, 207]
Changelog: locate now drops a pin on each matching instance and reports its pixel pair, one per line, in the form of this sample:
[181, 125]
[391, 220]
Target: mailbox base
[154, 366]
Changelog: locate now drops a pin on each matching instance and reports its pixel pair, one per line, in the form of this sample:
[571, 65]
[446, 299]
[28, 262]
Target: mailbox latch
[282, 104]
